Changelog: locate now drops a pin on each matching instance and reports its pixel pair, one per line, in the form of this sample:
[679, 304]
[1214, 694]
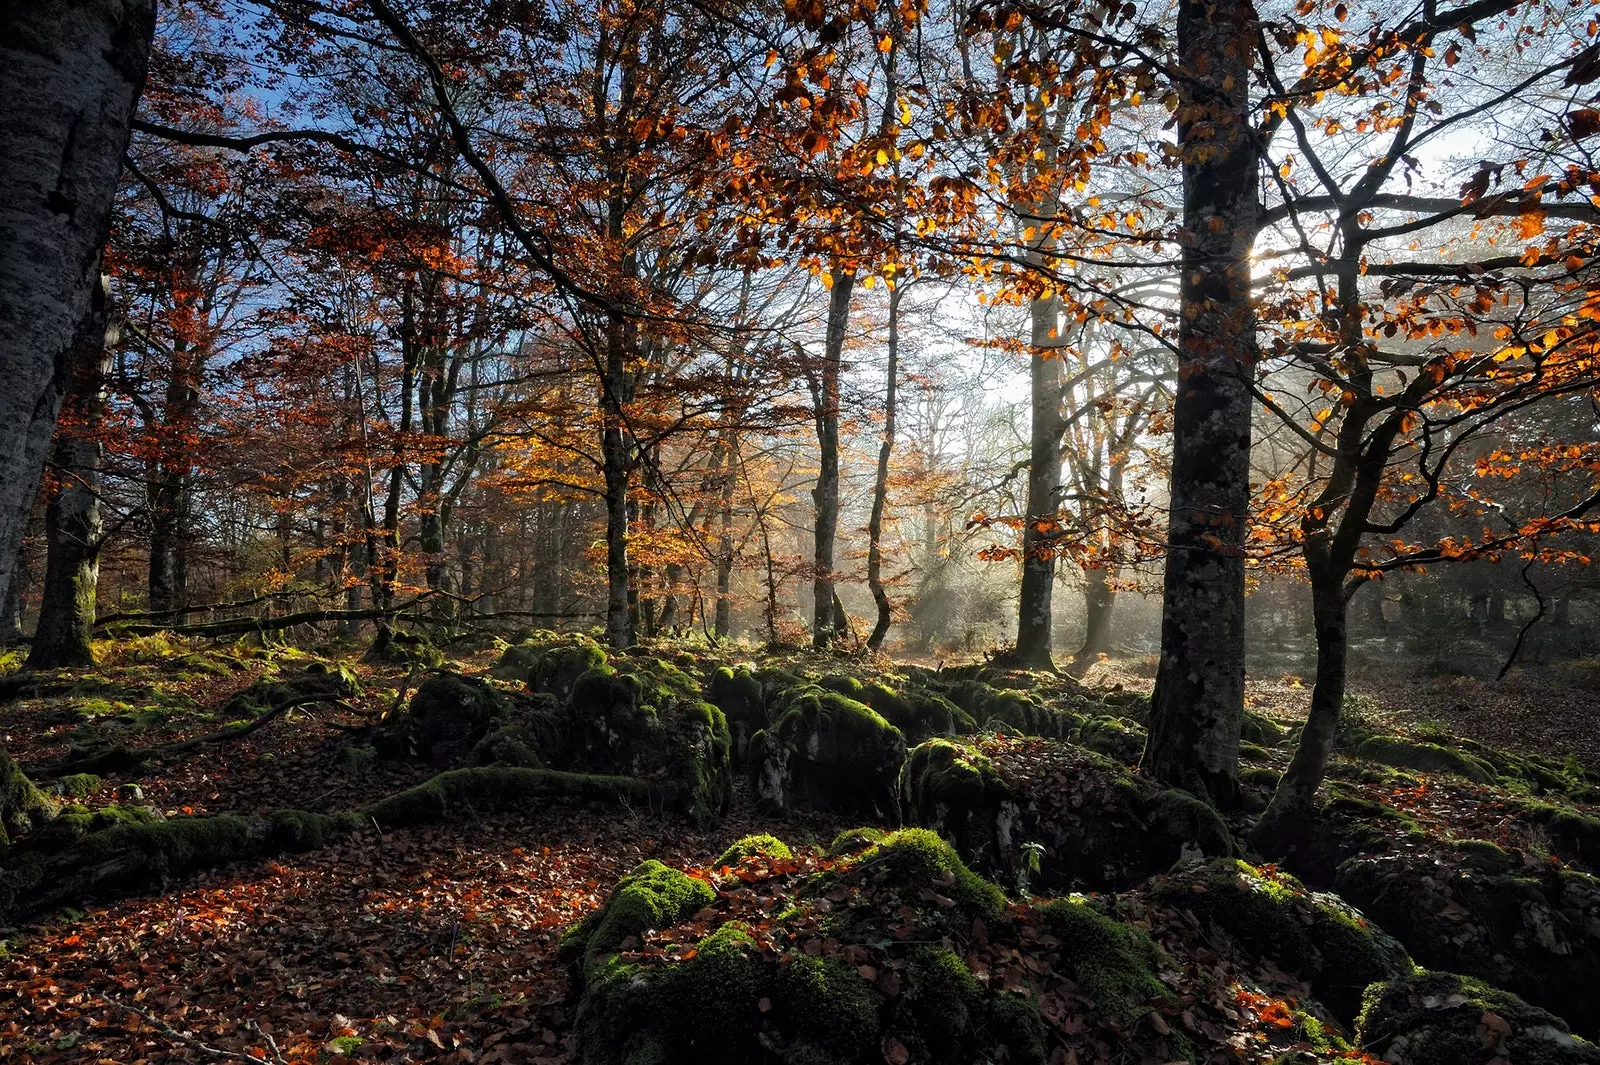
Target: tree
[71, 74]
[73, 527]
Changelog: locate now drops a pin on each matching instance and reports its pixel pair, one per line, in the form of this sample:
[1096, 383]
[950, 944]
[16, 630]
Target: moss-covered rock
[1115, 964]
[23, 807]
[1426, 757]
[786, 995]
[1571, 834]
[1262, 730]
[1272, 915]
[1113, 737]
[78, 785]
[508, 744]
[906, 866]
[955, 790]
[559, 666]
[737, 693]
[1535, 933]
[763, 846]
[1096, 826]
[395, 647]
[647, 719]
[918, 714]
[652, 896]
[446, 717]
[828, 752]
[853, 841]
[1438, 1017]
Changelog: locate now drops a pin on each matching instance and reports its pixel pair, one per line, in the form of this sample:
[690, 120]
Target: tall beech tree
[70, 74]
[1197, 707]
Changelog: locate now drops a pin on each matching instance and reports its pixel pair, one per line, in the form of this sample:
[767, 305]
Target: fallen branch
[189, 1039]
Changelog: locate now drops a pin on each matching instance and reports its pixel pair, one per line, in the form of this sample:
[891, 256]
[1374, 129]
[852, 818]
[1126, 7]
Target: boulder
[1272, 915]
[1533, 931]
[1435, 1017]
[737, 693]
[829, 753]
[23, 807]
[917, 713]
[447, 716]
[1090, 823]
[647, 719]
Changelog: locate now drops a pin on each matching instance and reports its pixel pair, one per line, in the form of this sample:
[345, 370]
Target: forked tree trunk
[1198, 704]
[72, 519]
[70, 76]
[825, 497]
[1035, 604]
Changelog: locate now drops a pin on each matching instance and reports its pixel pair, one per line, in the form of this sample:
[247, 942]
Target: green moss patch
[1425, 757]
[1272, 915]
[1440, 1017]
[762, 846]
[828, 752]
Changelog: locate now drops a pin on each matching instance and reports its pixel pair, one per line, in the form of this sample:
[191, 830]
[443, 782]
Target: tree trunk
[880, 483]
[1099, 603]
[826, 495]
[72, 520]
[1198, 704]
[615, 464]
[1035, 603]
[70, 74]
[1291, 805]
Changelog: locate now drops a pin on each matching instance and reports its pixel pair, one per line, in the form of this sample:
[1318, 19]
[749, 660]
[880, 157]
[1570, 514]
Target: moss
[854, 841]
[919, 715]
[557, 670]
[764, 846]
[23, 806]
[1484, 856]
[1274, 916]
[1114, 963]
[839, 684]
[1114, 738]
[1262, 730]
[955, 790]
[512, 744]
[486, 788]
[1572, 834]
[909, 864]
[1441, 1017]
[825, 1010]
[737, 693]
[1425, 757]
[651, 896]
[827, 752]
[78, 785]
[1259, 776]
[1017, 1024]
[647, 719]
[1196, 821]
[446, 717]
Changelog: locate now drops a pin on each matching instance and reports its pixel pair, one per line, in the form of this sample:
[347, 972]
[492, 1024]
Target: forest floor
[433, 943]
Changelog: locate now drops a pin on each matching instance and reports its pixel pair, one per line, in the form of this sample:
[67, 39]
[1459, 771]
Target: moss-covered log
[135, 854]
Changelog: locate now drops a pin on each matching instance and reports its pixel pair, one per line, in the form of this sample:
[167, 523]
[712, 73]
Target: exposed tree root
[129, 858]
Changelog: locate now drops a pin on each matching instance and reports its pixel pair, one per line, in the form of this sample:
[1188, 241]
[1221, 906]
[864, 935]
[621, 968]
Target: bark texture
[70, 74]
[72, 519]
[1198, 704]
[1041, 526]
[825, 626]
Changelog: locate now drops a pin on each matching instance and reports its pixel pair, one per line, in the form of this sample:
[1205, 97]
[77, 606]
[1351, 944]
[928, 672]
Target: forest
[800, 532]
